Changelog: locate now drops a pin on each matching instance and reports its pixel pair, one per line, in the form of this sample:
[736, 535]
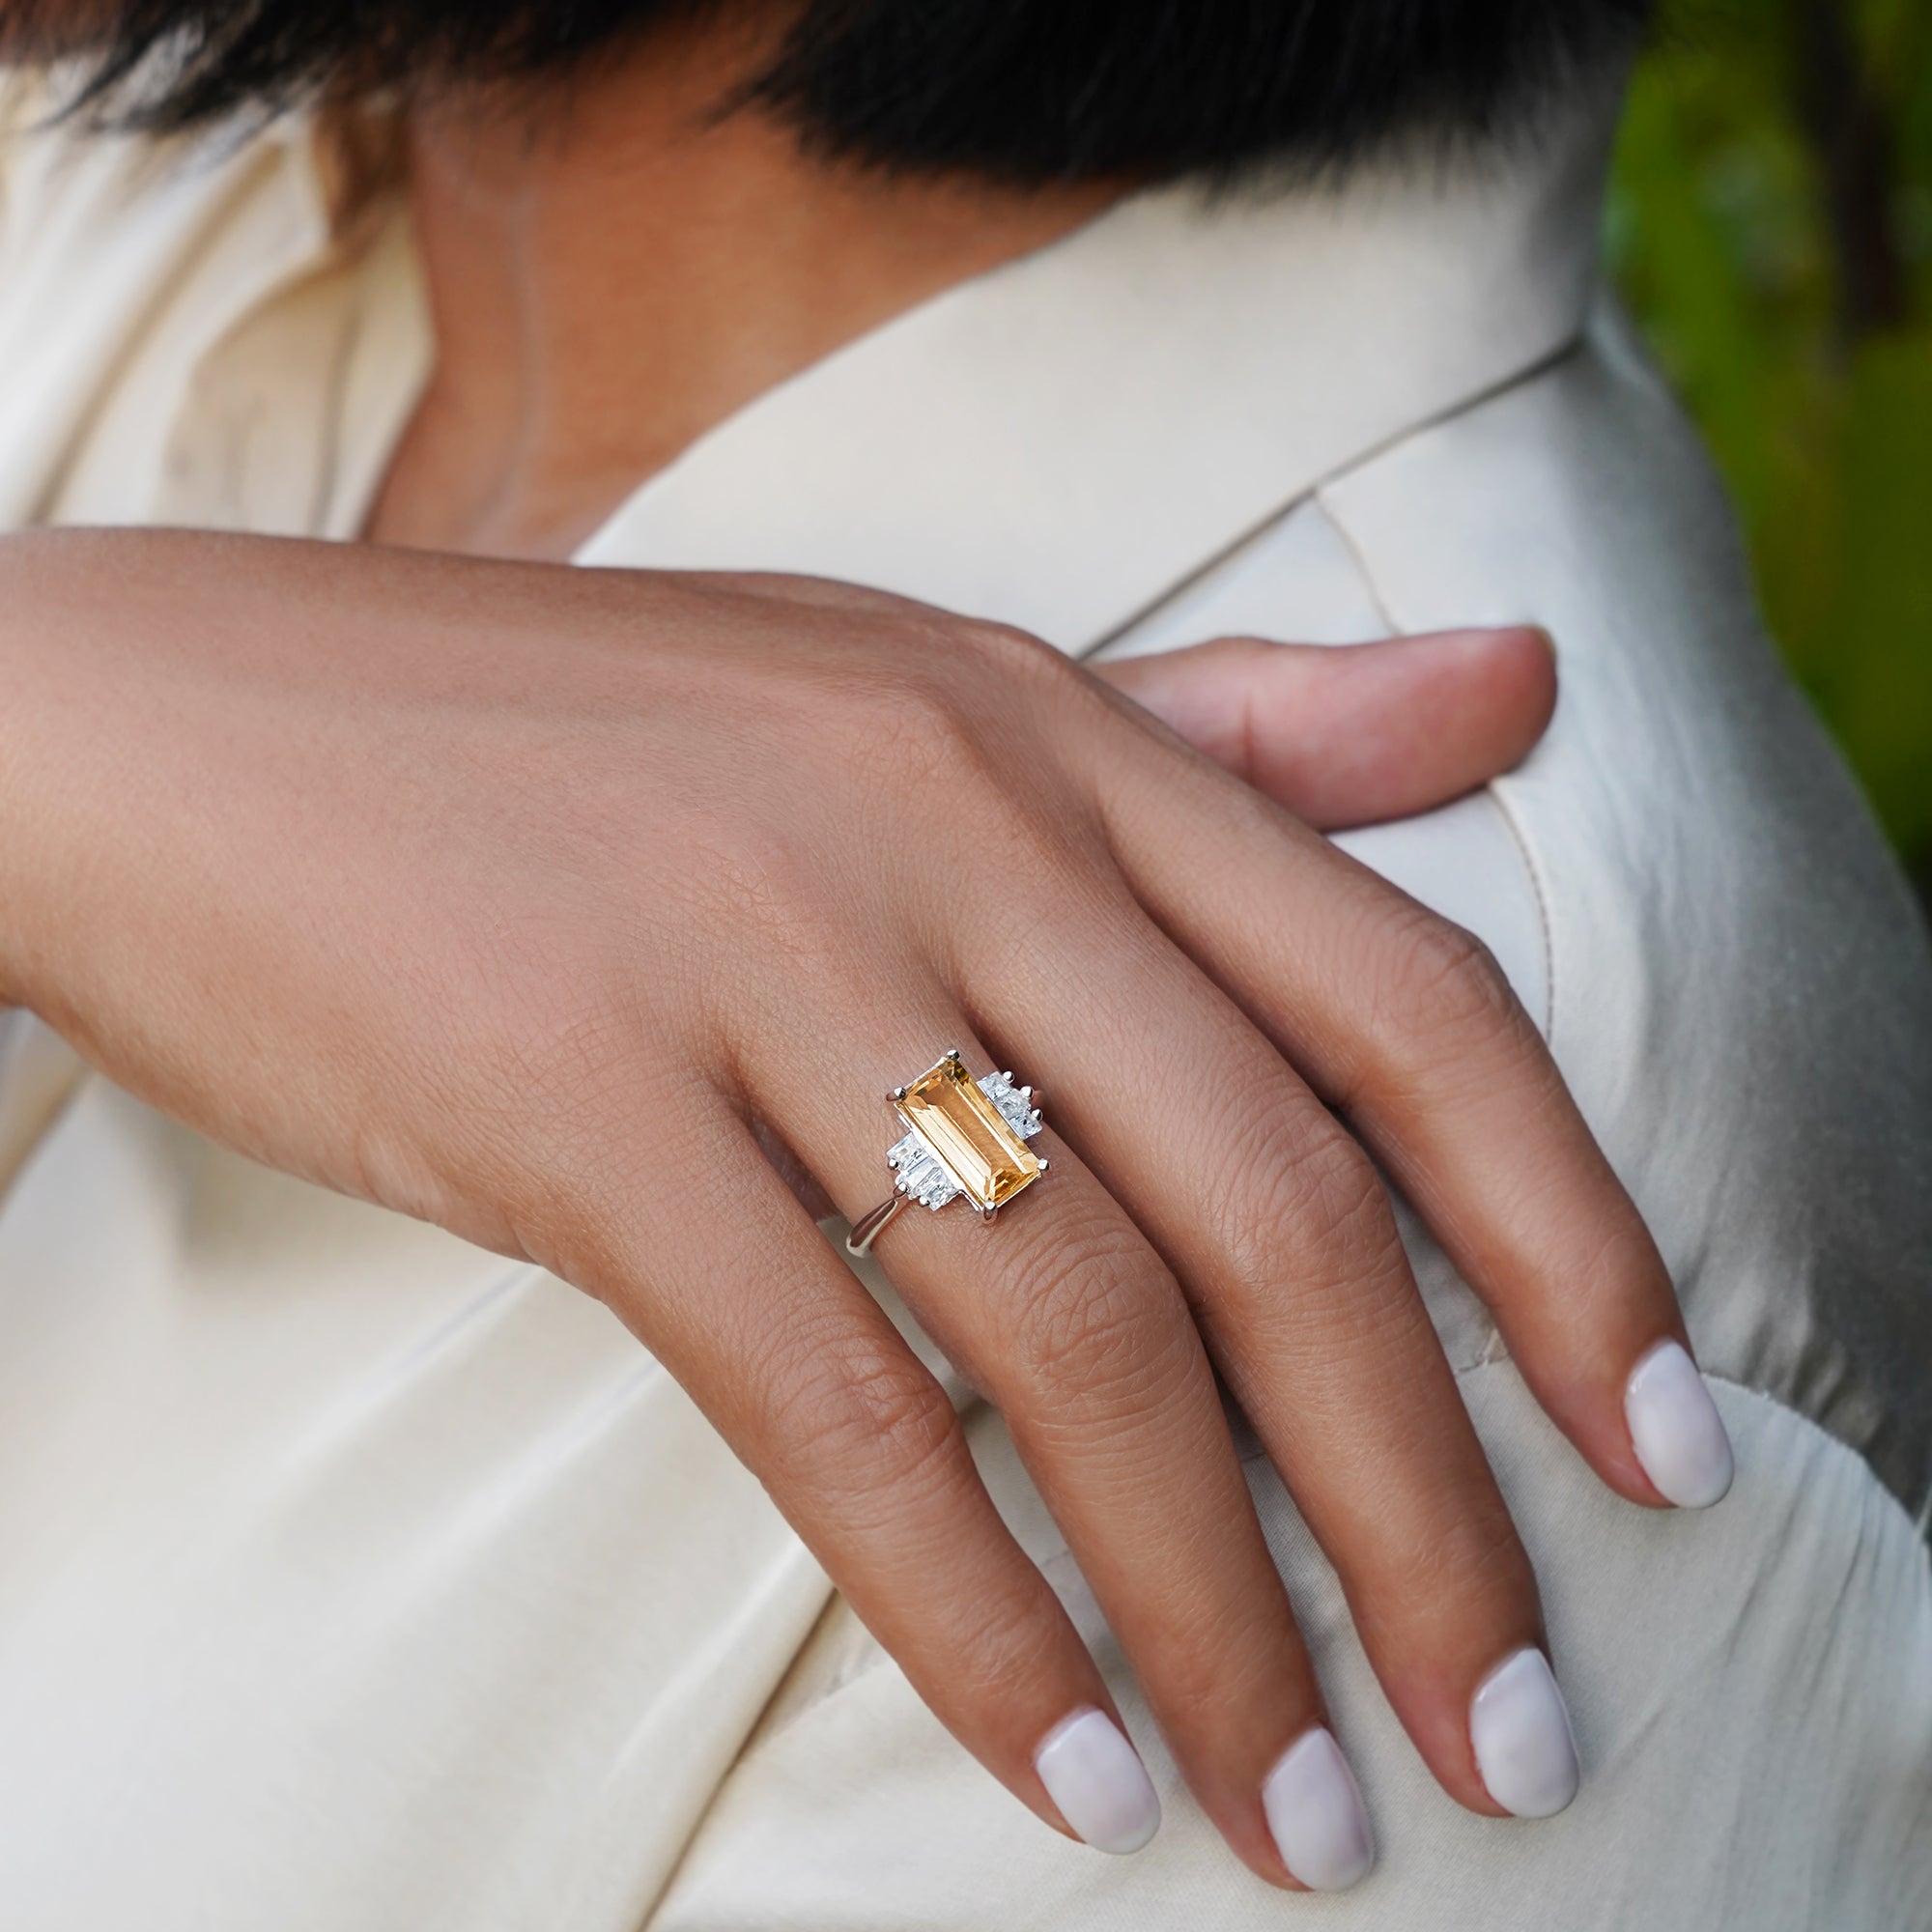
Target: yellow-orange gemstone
[969, 1134]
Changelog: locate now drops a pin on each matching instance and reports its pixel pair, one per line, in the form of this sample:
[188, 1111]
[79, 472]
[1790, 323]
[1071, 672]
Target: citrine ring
[963, 1136]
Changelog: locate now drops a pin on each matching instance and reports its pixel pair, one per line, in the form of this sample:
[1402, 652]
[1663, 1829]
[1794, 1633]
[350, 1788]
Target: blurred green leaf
[1721, 235]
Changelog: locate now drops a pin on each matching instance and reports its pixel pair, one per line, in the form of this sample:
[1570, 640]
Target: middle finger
[1278, 1226]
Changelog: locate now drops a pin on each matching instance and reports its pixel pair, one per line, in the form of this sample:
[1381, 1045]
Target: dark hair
[1022, 91]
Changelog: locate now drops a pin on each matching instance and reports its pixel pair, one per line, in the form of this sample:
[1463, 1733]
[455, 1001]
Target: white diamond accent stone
[1014, 1102]
[922, 1178]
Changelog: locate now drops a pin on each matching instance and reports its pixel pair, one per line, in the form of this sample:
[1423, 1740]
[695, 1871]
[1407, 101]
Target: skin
[564, 909]
[613, 273]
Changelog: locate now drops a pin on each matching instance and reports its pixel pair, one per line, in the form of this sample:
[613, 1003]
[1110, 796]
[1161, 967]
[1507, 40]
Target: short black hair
[1026, 92]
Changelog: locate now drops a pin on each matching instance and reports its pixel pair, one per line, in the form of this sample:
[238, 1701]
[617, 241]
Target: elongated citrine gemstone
[969, 1134]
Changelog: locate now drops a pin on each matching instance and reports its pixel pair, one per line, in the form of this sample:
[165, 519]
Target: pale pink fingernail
[1097, 1778]
[1676, 1431]
[1315, 1813]
[1520, 1729]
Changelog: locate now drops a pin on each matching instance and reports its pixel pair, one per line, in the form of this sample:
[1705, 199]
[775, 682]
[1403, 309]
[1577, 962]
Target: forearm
[152, 680]
[50, 619]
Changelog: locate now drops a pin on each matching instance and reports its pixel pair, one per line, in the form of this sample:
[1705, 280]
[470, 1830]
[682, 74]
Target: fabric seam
[1358, 556]
[1532, 371]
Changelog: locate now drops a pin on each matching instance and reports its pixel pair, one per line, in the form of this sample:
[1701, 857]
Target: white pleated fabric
[350, 1577]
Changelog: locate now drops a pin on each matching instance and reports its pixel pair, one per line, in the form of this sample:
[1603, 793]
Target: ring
[962, 1137]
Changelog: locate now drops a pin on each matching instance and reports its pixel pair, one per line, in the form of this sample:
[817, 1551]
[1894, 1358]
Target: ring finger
[1076, 1329]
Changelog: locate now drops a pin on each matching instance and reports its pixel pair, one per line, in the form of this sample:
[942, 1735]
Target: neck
[603, 294]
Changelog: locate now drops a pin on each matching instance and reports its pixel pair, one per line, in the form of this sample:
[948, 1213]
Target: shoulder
[1740, 988]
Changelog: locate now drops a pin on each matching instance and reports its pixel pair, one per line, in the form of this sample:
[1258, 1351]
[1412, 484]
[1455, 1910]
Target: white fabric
[1749, 1760]
[353, 1578]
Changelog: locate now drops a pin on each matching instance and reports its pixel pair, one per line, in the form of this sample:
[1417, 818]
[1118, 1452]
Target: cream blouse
[350, 1577]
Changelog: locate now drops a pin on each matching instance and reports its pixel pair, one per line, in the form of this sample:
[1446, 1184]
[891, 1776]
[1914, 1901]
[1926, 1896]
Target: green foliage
[1741, 262]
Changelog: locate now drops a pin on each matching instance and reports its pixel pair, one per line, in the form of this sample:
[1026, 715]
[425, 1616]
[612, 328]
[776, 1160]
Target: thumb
[1347, 735]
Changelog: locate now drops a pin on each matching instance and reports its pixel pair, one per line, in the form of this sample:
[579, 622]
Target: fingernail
[1097, 1778]
[1520, 1729]
[1675, 1427]
[1315, 1813]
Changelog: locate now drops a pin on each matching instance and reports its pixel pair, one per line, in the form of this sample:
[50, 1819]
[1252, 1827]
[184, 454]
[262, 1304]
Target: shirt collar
[1059, 443]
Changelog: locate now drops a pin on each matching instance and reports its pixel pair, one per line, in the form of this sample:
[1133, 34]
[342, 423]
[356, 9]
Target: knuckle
[961, 744]
[747, 867]
[755, 891]
[1309, 1207]
[1095, 1314]
[1009, 652]
[1477, 1560]
[1327, 1185]
[1450, 982]
[926, 714]
[1002, 1643]
[915, 710]
[1428, 1594]
[914, 732]
[862, 1419]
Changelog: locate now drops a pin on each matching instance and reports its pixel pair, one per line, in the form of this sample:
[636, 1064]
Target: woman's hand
[539, 902]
